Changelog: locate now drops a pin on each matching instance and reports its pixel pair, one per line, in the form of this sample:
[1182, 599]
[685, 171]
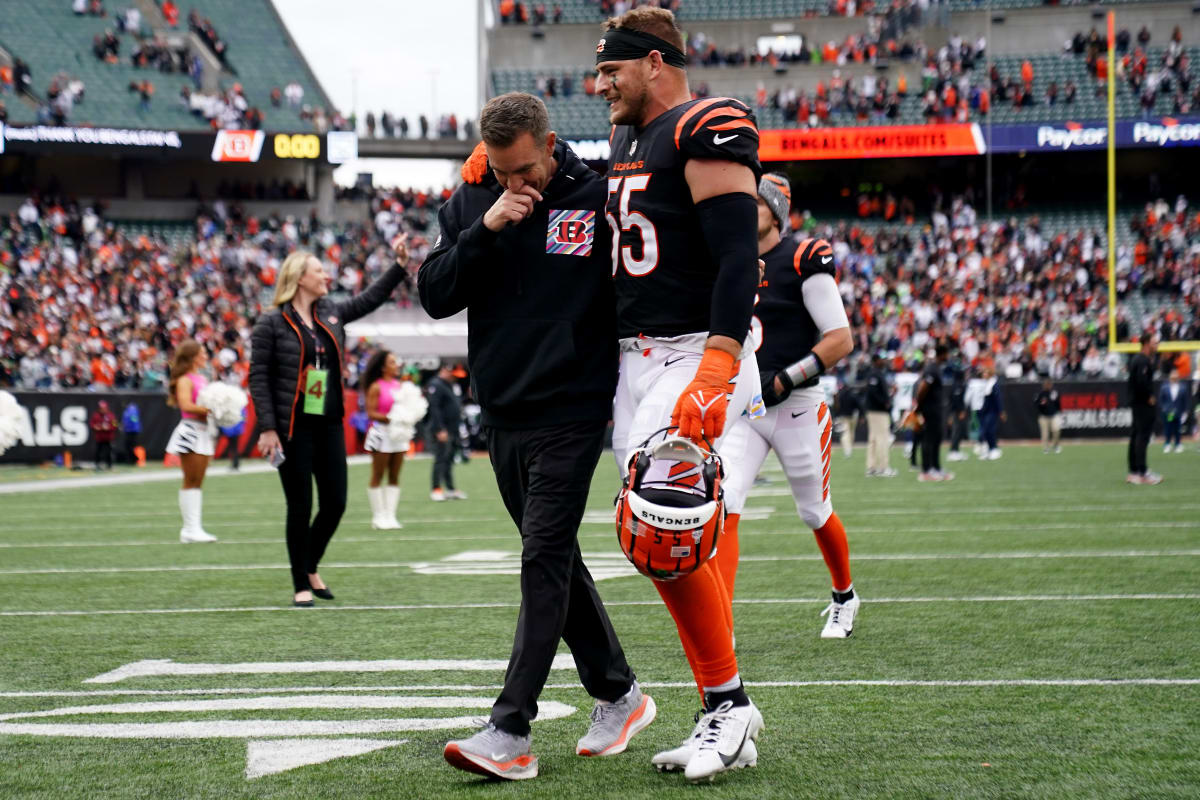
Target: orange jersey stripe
[691, 112]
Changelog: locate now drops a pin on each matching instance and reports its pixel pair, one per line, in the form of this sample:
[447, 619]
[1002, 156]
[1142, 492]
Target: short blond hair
[288, 279]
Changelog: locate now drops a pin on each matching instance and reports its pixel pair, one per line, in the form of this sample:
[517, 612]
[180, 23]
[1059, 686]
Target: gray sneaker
[614, 724]
[494, 753]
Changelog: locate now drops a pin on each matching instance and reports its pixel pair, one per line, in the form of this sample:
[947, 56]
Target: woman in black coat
[296, 360]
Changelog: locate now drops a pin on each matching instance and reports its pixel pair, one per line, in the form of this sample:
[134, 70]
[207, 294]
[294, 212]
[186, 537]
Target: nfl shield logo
[632, 148]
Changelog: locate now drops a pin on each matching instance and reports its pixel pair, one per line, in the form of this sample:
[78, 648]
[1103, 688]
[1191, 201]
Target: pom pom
[408, 408]
[225, 403]
[476, 166]
[12, 419]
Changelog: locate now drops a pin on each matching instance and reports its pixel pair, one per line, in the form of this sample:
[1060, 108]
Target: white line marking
[264, 703]
[272, 756]
[755, 531]
[249, 728]
[274, 521]
[166, 666]
[602, 565]
[1019, 598]
[254, 467]
[241, 690]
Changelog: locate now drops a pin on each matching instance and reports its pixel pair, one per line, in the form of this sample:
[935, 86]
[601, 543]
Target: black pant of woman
[317, 450]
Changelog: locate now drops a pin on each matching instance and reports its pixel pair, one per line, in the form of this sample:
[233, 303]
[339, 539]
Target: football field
[1031, 629]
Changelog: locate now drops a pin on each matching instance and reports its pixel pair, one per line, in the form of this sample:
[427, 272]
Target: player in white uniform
[802, 330]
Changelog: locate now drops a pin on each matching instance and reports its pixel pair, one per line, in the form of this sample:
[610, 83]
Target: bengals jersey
[663, 269]
[784, 326]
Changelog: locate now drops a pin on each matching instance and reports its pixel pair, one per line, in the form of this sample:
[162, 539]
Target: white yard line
[166, 666]
[275, 520]
[1019, 598]
[251, 467]
[242, 690]
[743, 560]
[751, 531]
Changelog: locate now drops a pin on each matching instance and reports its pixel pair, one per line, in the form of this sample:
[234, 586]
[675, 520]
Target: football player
[801, 330]
[682, 182]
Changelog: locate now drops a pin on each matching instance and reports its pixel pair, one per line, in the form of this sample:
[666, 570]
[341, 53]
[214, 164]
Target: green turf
[1030, 568]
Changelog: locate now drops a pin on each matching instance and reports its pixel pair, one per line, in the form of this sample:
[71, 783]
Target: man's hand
[442, 436]
[700, 411]
[400, 249]
[511, 208]
[268, 444]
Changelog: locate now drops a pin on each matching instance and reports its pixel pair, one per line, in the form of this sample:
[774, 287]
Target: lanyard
[318, 345]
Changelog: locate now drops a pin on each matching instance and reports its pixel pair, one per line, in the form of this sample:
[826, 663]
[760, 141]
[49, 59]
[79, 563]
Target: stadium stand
[56, 43]
[95, 303]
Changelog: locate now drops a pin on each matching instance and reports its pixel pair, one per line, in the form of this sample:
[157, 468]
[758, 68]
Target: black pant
[443, 464]
[958, 429]
[131, 441]
[931, 443]
[104, 453]
[317, 450]
[544, 476]
[234, 455]
[1139, 438]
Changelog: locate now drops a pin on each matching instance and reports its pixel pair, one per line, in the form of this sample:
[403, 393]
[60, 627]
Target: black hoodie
[542, 336]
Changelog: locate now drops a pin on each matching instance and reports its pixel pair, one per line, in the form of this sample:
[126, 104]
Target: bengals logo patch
[571, 232]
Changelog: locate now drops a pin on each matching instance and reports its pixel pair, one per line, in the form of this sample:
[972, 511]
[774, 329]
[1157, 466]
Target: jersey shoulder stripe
[724, 113]
[813, 257]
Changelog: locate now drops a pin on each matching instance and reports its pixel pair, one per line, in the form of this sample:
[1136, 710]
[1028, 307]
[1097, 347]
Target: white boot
[190, 502]
[391, 499]
[375, 497]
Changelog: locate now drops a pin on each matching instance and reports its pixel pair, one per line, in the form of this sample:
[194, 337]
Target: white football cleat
[994, 455]
[840, 623]
[724, 733]
[195, 535]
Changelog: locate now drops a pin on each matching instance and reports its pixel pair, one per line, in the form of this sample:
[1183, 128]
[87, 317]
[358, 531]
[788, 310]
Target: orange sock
[694, 602]
[727, 554]
[831, 538]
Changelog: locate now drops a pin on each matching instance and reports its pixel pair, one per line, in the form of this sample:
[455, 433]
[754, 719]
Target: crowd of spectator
[394, 126]
[203, 27]
[1030, 300]
[83, 305]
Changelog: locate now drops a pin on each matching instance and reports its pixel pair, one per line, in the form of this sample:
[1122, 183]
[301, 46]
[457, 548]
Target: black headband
[623, 44]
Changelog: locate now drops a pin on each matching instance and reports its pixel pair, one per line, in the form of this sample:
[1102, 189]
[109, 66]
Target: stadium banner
[1090, 410]
[229, 146]
[57, 422]
[1072, 136]
[893, 141]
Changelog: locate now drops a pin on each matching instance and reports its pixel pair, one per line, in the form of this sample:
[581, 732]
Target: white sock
[375, 498]
[391, 499]
[727, 686]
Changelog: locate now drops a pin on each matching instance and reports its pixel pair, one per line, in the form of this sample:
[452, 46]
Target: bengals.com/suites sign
[897, 141]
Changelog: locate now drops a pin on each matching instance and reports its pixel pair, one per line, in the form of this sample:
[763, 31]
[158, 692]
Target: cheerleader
[387, 449]
[192, 439]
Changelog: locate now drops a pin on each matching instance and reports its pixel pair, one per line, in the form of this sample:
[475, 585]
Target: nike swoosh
[826, 259]
[799, 414]
[669, 362]
[718, 140]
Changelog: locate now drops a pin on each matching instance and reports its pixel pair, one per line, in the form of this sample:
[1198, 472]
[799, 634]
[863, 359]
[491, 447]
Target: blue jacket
[993, 402]
[1180, 407]
[131, 420]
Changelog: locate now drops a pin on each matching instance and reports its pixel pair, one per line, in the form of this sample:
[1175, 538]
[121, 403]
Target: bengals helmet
[671, 509]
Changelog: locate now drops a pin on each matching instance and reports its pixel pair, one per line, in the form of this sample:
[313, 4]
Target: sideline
[254, 467]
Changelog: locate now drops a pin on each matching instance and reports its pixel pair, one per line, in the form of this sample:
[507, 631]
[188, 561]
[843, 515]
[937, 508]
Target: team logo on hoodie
[571, 232]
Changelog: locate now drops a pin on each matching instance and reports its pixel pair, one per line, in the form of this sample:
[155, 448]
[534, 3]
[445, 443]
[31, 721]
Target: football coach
[524, 248]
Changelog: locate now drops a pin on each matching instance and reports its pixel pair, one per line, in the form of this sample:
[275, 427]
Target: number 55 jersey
[663, 269]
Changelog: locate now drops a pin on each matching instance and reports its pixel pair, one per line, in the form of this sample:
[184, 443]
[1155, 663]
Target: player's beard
[629, 108]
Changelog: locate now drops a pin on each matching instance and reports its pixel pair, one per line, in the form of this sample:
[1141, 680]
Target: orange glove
[700, 410]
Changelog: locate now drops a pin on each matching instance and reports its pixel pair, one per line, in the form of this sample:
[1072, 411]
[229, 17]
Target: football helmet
[671, 509]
